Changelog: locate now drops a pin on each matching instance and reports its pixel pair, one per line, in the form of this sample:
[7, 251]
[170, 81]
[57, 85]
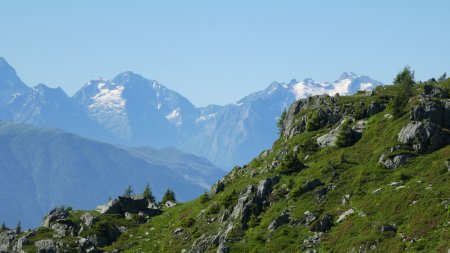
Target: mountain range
[132, 110]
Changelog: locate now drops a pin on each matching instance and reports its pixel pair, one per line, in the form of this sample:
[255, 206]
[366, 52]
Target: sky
[216, 52]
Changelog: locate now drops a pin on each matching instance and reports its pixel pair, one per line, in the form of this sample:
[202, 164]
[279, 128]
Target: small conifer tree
[148, 193]
[169, 195]
[128, 192]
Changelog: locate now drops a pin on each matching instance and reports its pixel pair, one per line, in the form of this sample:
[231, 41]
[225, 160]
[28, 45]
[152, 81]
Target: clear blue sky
[219, 51]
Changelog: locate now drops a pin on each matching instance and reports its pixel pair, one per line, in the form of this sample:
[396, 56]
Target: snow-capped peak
[348, 83]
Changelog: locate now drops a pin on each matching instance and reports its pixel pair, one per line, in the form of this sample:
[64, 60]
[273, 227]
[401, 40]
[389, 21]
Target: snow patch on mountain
[175, 117]
[206, 117]
[108, 109]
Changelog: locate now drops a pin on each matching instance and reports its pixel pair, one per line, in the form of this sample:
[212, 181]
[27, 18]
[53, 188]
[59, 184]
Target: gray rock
[322, 225]
[329, 139]
[309, 218]
[46, 246]
[6, 238]
[423, 136]
[88, 219]
[217, 187]
[62, 228]
[242, 209]
[203, 242]
[437, 112]
[170, 204]
[320, 194]
[178, 230]
[105, 237]
[313, 241]
[308, 186]
[54, 215]
[447, 165]
[344, 215]
[134, 203]
[112, 207]
[279, 221]
[388, 228]
[359, 127]
[434, 91]
[224, 216]
[374, 108]
[223, 248]
[393, 162]
[328, 114]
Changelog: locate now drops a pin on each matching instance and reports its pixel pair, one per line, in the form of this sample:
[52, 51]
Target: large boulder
[56, 214]
[129, 204]
[134, 203]
[423, 137]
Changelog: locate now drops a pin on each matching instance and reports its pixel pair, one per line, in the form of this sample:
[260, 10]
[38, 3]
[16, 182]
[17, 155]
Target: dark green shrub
[290, 164]
[313, 121]
[346, 136]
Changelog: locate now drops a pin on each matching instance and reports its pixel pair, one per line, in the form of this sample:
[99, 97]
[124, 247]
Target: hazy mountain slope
[42, 168]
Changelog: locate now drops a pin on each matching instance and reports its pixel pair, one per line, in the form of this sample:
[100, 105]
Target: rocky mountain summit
[321, 187]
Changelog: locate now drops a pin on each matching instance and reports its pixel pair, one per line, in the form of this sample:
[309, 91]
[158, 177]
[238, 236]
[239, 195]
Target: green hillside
[337, 197]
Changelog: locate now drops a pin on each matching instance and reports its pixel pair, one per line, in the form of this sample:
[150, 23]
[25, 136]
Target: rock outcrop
[129, 204]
